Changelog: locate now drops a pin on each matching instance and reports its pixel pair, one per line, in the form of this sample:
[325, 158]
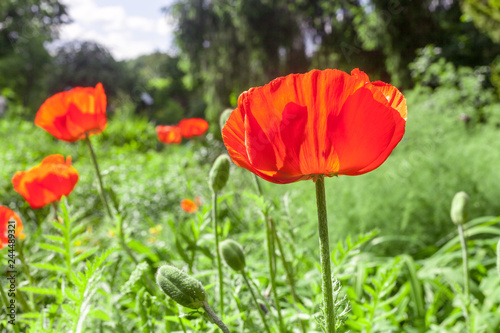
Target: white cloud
[125, 35]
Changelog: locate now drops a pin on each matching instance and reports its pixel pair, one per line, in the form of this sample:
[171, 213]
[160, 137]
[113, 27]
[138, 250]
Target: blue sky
[128, 28]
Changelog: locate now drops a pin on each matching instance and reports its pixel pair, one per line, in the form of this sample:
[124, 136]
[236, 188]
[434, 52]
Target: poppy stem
[213, 317]
[219, 262]
[270, 253]
[324, 248]
[272, 268]
[288, 270]
[54, 205]
[465, 262]
[262, 316]
[101, 187]
[257, 184]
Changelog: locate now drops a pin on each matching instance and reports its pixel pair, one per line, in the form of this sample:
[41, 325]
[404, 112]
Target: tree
[231, 46]
[26, 25]
[84, 64]
[163, 77]
[486, 16]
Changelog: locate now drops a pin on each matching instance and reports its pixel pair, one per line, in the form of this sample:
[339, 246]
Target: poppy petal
[73, 114]
[7, 215]
[193, 127]
[46, 182]
[293, 130]
[319, 123]
[260, 150]
[361, 132]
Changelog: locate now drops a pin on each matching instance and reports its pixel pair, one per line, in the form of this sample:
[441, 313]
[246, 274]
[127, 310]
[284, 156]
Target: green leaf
[53, 248]
[41, 291]
[84, 255]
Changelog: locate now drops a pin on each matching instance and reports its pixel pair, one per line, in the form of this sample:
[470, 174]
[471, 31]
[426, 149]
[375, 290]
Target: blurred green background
[443, 55]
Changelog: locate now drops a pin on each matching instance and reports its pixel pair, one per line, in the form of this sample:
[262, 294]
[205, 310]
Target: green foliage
[164, 78]
[250, 35]
[75, 279]
[266, 39]
[486, 16]
[24, 61]
[84, 64]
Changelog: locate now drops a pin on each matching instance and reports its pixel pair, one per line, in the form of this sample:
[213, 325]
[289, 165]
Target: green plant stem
[465, 262]
[272, 271]
[270, 256]
[5, 302]
[324, 248]
[262, 316]
[54, 205]
[67, 247]
[285, 262]
[219, 262]
[123, 243]
[257, 184]
[101, 186]
[213, 317]
[26, 269]
[182, 325]
[288, 271]
[282, 254]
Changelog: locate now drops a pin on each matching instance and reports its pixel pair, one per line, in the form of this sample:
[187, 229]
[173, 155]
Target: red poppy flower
[46, 182]
[5, 216]
[319, 123]
[193, 127]
[189, 206]
[70, 115]
[169, 134]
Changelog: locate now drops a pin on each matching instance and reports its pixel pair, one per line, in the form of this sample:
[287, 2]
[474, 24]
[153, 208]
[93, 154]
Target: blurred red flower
[5, 216]
[70, 115]
[189, 206]
[319, 123]
[193, 127]
[46, 182]
[169, 134]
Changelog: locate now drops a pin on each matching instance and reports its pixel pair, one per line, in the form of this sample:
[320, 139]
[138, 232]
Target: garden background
[398, 257]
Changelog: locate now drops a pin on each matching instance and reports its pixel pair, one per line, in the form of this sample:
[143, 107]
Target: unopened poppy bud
[460, 208]
[224, 116]
[219, 173]
[182, 288]
[233, 255]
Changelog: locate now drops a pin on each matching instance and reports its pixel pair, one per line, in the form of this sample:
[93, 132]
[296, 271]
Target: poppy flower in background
[189, 206]
[5, 216]
[46, 182]
[73, 114]
[169, 134]
[193, 127]
[327, 122]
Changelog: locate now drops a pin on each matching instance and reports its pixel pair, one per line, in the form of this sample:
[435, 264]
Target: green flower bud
[233, 255]
[219, 173]
[459, 208]
[224, 116]
[182, 288]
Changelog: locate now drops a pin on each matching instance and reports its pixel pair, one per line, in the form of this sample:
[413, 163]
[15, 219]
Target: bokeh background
[163, 61]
